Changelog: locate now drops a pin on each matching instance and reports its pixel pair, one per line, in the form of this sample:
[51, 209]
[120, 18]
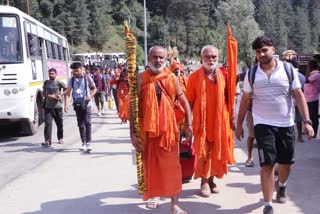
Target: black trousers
[313, 114]
[84, 124]
[115, 97]
[56, 115]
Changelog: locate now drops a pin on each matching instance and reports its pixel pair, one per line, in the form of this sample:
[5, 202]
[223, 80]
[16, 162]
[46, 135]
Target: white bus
[27, 50]
[88, 58]
[118, 57]
[98, 58]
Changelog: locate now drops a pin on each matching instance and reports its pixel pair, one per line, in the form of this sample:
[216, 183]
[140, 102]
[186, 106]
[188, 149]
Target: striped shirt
[272, 103]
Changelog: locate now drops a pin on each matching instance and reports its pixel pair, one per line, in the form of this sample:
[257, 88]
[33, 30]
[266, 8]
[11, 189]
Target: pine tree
[240, 16]
[98, 34]
[75, 21]
[314, 17]
[301, 33]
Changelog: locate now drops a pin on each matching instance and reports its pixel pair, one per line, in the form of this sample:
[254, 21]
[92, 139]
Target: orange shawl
[222, 138]
[158, 120]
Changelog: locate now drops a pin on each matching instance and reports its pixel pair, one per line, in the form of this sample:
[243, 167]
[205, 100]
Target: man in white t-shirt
[273, 116]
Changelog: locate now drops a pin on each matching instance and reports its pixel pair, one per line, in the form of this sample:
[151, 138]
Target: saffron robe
[123, 99]
[159, 137]
[183, 81]
[213, 137]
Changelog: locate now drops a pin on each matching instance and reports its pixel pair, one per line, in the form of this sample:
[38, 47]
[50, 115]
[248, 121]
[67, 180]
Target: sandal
[153, 203]
[178, 210]
[214, 188]
[249, 163]
[205, 190]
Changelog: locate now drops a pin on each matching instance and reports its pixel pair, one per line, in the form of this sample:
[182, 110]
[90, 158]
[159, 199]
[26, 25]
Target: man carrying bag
[83, 90]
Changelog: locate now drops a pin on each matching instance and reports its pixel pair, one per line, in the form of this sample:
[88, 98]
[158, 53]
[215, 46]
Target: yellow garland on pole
[131, 61]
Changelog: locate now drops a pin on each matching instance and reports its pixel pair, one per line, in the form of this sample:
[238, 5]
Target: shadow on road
[108, 202]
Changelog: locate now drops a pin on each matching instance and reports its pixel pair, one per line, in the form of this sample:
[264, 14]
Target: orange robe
[183, 81]
[159, 137]
[123, 99]
[213, 137]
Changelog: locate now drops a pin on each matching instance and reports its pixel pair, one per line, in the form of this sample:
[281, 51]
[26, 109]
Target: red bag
[187, 160]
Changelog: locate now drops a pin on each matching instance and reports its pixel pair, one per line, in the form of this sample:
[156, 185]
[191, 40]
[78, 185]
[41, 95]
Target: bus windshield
[10, 42]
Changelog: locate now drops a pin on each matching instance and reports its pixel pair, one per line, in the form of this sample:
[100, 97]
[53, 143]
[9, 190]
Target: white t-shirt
[272, 103]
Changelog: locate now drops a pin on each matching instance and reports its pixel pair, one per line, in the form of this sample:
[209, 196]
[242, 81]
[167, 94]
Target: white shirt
[272, 103]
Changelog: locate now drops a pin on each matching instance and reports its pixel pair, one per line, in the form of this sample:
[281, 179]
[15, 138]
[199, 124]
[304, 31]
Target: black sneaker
[281, 193]
[268, 210]
[46, 144]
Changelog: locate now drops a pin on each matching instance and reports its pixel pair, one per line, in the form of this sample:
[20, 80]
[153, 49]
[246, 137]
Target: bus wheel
[31, 127]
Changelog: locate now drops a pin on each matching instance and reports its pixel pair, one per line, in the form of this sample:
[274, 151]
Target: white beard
[210, 66]
[157, 69]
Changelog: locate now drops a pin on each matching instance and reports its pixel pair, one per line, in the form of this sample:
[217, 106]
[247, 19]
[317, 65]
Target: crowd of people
[271, 90]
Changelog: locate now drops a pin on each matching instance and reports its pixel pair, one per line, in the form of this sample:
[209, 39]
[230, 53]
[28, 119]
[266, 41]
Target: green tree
[301, 33]
[283, 25]
[240, 16]
[98, 34]
[314, 14]
[75, 25]
[194, 16]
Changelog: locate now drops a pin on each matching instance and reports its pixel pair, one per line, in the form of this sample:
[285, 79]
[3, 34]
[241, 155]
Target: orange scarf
[199, 123]
[158, 120]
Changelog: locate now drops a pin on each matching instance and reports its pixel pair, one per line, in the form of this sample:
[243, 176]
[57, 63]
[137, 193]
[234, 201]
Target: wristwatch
[307, 122]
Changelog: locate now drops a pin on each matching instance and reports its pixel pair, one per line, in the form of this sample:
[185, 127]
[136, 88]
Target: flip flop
[178, 210]
[153, 203]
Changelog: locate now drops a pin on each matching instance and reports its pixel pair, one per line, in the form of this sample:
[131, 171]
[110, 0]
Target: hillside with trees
[91, 25]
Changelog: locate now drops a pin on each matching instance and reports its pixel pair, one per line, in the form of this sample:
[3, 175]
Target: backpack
[85, 82]
[289, 72]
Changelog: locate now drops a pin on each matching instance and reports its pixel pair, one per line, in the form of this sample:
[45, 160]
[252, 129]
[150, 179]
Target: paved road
[62, 180]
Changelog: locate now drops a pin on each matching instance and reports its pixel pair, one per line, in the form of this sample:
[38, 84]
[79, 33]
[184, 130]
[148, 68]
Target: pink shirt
[312, 89]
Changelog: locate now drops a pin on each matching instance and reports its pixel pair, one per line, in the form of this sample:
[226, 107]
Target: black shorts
[275, 144]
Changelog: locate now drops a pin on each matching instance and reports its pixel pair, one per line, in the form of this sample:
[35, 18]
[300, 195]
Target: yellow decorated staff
[131, 61]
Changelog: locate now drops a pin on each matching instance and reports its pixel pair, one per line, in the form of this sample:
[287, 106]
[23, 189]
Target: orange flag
[232, 46]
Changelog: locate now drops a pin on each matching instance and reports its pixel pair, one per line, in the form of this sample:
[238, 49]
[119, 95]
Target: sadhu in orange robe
[159, 136]
[183, 80]
[183, 85]
[123, 99]
[213, 138]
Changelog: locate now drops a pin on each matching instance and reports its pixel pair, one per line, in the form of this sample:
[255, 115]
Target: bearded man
[213, 139]
[157, 89]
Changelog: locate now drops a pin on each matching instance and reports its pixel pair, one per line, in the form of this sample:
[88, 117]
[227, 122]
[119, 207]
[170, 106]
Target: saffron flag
[232, 48]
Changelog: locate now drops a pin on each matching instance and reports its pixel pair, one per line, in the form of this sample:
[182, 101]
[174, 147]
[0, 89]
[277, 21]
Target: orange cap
[174, 66]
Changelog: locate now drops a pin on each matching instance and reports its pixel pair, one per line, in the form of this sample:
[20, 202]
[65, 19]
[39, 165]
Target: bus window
[33, 45]
[40, 46]
[54, 50]
[60, 52]
[49, 49]
[64, 50]
[10, 40]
